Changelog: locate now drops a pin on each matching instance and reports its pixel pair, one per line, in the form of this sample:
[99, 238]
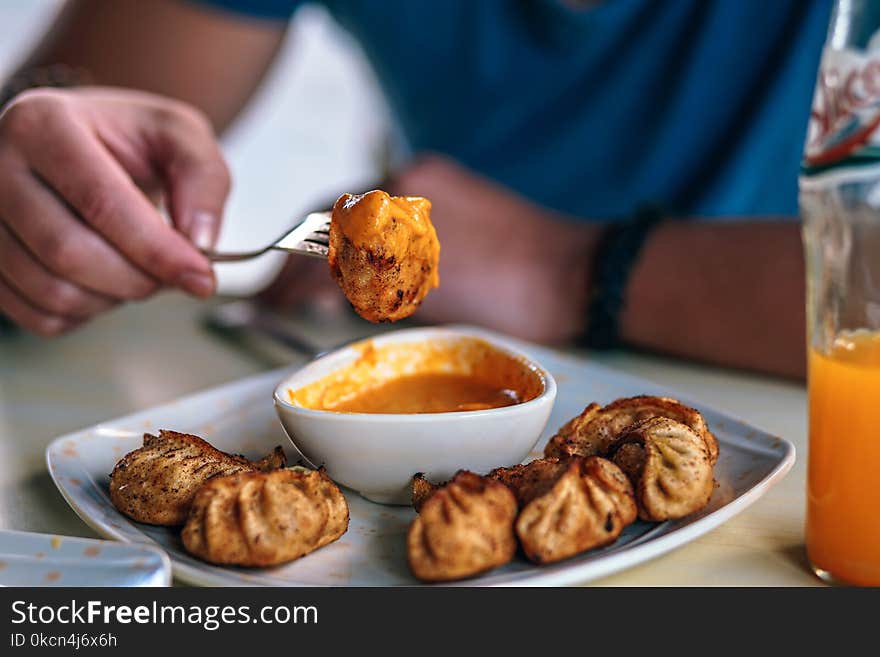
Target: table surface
[146, 354]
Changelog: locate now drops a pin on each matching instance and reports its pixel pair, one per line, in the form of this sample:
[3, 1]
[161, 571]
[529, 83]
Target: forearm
[729, 294]
[168, 47]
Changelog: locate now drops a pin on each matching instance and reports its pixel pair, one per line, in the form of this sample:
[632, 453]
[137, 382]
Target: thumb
[197, 179]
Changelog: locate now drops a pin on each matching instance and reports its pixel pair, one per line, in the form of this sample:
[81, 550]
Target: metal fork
[310, 237]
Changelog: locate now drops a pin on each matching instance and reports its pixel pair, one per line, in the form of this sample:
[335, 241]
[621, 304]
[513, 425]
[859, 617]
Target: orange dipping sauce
[442, 376]
[430, 393]
[843, 497]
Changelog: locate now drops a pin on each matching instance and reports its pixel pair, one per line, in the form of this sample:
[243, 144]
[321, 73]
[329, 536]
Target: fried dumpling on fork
[568, 506]
[596, 430]
[383, 253]
[155, 483]
[264, 518]
[669, 467]
[464, 528]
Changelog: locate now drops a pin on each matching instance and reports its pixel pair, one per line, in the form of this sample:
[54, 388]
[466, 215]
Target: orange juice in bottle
[839, 201]
[843, 485]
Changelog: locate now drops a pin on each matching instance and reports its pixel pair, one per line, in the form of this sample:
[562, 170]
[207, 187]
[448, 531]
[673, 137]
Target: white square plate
[239, 417]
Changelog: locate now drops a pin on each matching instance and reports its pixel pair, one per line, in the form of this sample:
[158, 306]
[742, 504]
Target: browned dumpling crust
[575, 437]
[264, 518]
[532, 479]
[596, 431]
[669, 466]
[156, 483]
[422, 489]
[568, 506]
[463, 529]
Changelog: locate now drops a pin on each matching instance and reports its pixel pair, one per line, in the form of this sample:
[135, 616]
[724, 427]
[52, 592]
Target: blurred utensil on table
[309, 330]
[238, 319]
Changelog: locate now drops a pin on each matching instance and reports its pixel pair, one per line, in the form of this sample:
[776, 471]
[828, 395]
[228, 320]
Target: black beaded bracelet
[57, 75]
[616, 254]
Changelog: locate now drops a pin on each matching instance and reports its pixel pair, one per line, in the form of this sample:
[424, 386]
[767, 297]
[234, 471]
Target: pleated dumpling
[157, 482]
[596, 430]
[568, 506]
[669, 466]
[575, 437]
[464, 528]
[264, 518]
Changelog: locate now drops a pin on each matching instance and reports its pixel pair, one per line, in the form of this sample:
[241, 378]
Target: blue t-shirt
[698, 105]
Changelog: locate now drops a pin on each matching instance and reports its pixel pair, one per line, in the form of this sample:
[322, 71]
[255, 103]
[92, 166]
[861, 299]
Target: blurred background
[317, 127]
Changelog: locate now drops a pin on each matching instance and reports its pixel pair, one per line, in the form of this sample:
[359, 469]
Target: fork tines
[312, 236]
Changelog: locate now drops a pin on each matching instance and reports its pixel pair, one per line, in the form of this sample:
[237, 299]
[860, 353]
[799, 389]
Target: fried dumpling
[596, 430]
[384, 253]
[669, 466]
[532, 479]
[568, 506]
[155, 483]
[264, 518]
[463, 528]
[575, 438]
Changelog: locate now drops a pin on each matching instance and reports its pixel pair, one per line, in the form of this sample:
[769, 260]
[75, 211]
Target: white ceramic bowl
[377, 454]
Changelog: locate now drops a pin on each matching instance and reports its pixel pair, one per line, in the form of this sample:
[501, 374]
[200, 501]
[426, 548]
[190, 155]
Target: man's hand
[78, 233]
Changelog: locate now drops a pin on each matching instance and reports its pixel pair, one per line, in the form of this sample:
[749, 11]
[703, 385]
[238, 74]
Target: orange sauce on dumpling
[384, 253]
